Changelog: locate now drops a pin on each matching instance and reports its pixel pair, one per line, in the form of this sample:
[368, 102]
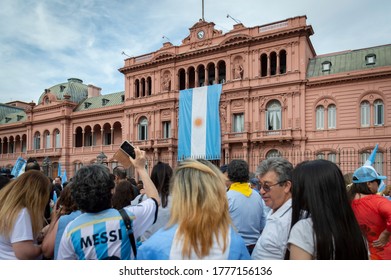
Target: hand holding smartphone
[128, 149]
[125, 151]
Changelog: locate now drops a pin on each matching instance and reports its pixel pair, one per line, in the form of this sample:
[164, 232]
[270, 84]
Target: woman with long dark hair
[161, 175]
[323, 223]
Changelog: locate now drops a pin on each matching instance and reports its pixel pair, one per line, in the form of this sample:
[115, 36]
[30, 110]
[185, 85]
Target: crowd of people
[196, 211]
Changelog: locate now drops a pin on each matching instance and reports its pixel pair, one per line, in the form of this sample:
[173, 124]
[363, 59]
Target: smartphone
[128, 149]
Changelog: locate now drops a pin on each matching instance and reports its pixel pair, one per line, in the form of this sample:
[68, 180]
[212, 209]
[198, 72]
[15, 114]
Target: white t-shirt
[22, 231]
[302, 235]
[163, 217]
[271, 245]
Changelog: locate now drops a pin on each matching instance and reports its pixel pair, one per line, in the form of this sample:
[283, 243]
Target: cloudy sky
[45, 42]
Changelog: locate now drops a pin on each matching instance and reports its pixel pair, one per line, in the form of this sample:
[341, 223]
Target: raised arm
[139, 165]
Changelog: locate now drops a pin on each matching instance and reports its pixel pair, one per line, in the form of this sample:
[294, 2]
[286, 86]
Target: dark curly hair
[123, 194]
[92, 187]
[66, 201]
[238, 171]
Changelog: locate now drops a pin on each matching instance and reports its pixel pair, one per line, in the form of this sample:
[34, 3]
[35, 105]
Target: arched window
[282, 61]
[149, 86]
[332, 116]
[24, 143]
[201, 75]
[57, 139]
[211, 74]
[273, 63]
[320, 117]
[332, 157]
[37, 141]
[273, 116]
[143, 89]
[320, 156]
[47, 139]
[191, 73]
[263, 65]
[137, 88]
[365, 113]
[379, 112]
[11, 145]
[87, 136]
[182, 79]
[143, 129]
[222, 71]
[273, 153]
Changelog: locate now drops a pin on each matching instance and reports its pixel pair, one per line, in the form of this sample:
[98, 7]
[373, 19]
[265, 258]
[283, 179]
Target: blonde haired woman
[22, 206]
[200, 225]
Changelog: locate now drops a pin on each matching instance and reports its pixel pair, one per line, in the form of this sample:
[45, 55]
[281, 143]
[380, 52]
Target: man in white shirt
[275, 175]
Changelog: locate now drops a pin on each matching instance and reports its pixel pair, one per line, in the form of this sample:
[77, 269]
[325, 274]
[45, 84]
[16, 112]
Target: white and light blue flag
[59, 170]
[371, 159]
[19, 166]
[370, 162]
[199, 134]
[64, 176]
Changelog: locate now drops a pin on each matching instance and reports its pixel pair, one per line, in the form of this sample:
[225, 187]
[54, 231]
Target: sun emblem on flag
[198, 122]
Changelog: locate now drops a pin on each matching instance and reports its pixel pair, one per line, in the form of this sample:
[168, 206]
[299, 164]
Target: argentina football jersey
[94, 236]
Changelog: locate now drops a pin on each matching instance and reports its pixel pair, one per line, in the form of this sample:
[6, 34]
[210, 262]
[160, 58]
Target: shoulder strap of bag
[128, 224]
[140, 199]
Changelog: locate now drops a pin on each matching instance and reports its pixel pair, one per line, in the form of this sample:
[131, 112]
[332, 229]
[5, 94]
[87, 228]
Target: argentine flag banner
[19, 166]
[199, 134]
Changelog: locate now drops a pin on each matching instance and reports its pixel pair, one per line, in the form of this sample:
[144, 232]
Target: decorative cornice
[347, 79]
[221, 47]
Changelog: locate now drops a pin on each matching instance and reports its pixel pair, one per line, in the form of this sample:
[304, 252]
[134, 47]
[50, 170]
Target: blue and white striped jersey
[101, 235]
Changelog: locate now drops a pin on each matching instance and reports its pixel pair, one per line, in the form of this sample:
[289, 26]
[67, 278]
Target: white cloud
[45, 42]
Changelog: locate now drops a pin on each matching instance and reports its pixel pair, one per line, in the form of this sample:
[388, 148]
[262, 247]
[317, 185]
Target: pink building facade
[279, 98]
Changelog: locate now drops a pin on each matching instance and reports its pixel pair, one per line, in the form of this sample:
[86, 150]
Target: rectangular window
[273, 120]
[58, 140]
[37, 143]
[378, 164]
[320, 156]
[142, 132]
[332, 117]
[47, 140]
[365, 114]
[166, 129]
[379, 114]
[332, 157]
[238, 122]
[320, 118]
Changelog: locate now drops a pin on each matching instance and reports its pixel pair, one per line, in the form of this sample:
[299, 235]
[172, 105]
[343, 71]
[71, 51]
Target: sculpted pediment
[236, 39]
[163, 55]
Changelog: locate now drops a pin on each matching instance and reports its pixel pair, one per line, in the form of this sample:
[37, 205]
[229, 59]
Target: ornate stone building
[278, 98]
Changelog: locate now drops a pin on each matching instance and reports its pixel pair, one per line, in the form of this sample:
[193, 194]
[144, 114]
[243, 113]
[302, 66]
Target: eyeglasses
[267, 188]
